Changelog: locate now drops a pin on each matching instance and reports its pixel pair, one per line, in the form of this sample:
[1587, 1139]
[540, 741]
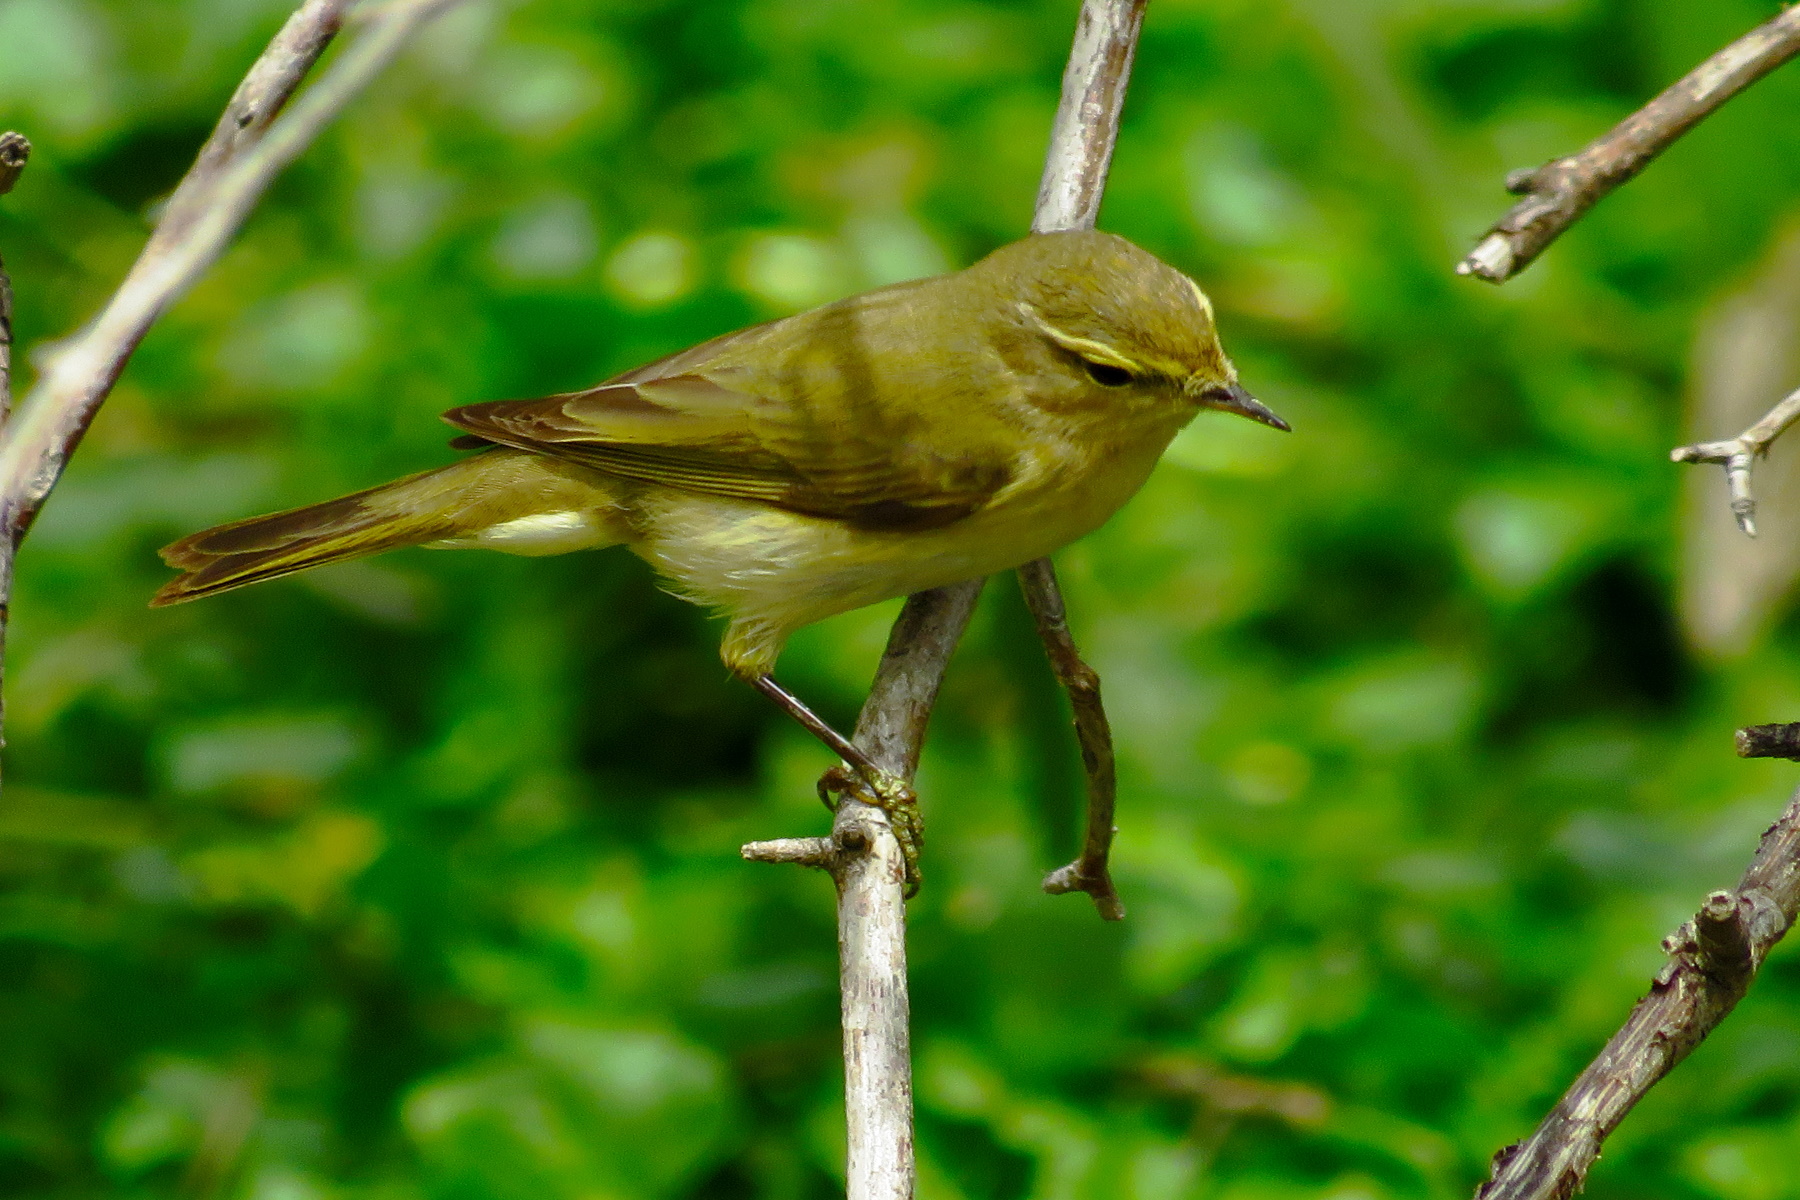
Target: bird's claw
[894, 797]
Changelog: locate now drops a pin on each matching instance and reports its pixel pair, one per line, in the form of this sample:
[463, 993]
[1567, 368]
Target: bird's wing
[708, 431]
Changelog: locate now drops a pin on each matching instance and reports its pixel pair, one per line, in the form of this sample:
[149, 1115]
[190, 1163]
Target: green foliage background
[418, 878]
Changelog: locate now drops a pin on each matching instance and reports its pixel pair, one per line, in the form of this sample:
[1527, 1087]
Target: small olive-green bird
[910, 437]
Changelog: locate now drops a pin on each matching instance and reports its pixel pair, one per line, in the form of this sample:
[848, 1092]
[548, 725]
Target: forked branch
[1559, 192]
[1713, 959]
[1739, 455]
[248, 148]
[245, 154]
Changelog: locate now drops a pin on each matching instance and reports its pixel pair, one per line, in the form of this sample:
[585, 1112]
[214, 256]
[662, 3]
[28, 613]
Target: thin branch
[808, 852]
[1087, 119]
[15, 151]
[875, 1004]
[1769, 741]
[1559, 192]
[248, 148]
[260, 97]
[206, 217]
[1081, 147]
[1222, 1093]
[891, 726]
[1739, 455]
[1091, 872]
[865, 858]
[865, 862]
[1075, 171]
[1712, 961]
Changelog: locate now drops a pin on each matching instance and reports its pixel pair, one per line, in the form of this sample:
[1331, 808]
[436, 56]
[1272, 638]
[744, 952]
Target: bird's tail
[454, 504]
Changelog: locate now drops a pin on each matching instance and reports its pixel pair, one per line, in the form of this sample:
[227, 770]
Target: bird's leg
[891, 794]
[814, 724]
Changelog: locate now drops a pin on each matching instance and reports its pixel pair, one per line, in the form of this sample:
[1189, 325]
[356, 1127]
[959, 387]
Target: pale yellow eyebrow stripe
[1100, 352]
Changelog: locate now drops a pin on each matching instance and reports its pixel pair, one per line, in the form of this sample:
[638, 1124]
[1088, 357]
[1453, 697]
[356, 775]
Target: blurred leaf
[573, 1107]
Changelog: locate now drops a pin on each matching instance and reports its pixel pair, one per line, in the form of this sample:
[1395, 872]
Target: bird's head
[1118, 319]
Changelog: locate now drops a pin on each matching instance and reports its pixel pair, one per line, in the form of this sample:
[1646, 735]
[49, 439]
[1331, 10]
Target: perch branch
[1089, 873]
[864, 856]
[1559, 192]
[1739, 455]
[248, 148]
[864, 859]
[1712, 960]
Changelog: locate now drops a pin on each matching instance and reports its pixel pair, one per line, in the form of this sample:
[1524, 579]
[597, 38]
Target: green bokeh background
[419, 877]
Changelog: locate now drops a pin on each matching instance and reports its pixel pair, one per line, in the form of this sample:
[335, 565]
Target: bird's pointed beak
[1234, 398]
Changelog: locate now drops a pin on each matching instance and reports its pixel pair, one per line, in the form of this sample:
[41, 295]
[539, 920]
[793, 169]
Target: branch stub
[15, 152]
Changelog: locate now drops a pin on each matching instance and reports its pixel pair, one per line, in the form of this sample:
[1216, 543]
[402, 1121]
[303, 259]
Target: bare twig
[1739, 454]
[1230, 1095]
[1087, 119]
[1769, 741]
[863, 855]
[864, 859]
[14, 152]
[808, 852]
[1089, 873]
[1559, 192]
[875, 1004]
[249, 147]
[1712, 961]
[891, 726]
[259, 99]
[1222, 1100]
[1081, 146]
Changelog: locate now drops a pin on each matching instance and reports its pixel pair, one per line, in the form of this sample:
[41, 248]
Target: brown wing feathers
[546, 427]
[688, 432]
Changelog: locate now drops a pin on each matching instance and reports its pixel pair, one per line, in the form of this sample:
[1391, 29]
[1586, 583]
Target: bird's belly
[774, 571]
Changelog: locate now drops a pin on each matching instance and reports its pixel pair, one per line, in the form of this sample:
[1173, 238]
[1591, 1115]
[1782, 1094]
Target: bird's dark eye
[1105, 374]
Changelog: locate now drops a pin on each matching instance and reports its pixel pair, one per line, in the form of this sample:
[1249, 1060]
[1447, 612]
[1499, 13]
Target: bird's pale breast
[773, 572]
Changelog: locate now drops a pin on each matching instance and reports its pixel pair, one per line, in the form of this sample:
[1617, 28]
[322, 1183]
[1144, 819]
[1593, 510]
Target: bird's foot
[894, 797]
